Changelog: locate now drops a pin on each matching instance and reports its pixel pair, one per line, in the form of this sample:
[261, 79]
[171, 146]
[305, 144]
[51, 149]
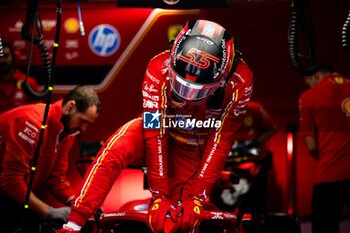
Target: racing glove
[157, 213]
[70, 227]
[61, 213]
[190, 211]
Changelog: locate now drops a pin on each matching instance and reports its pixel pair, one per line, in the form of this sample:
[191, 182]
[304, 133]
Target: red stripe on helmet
[190, 77]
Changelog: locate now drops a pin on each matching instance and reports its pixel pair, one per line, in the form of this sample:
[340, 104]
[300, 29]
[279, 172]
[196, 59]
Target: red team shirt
[19, 134]
[255, 122]
[325, 109]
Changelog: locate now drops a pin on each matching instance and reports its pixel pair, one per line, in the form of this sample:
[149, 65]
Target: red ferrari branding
[199, 58]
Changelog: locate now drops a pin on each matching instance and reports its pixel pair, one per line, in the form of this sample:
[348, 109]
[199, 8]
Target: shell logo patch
[71, 25]
[339, 80]
[346, 106]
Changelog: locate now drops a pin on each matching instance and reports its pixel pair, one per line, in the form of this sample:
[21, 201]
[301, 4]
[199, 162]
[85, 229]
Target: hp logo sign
[104, 40]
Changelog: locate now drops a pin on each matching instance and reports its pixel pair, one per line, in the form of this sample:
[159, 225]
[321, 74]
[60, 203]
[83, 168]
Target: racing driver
[193, 99]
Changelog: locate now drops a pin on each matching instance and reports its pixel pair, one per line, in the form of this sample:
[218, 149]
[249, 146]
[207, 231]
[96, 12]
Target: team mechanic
[202, 79]
[19, 136]
[11, 92]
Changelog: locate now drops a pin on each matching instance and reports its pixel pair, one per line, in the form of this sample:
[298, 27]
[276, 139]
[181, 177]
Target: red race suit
[325, 109]
[19, 134]
[11, 93]
[190, 154]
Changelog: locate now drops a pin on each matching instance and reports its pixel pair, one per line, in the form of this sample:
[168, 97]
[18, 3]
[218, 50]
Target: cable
[57, 37]
[1, 49]
[49, 89]
[346, 33]
[300, 21]
[81, 25]
[32, 21]
[32, 7]
[183, 186]
[200, 152]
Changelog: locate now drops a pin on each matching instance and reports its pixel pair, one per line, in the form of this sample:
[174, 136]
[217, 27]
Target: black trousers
[328, 202]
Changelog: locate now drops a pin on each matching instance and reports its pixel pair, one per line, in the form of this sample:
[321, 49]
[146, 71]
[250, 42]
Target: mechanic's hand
[157, 213]
[59, 213]
[70, 227]
[191, 211]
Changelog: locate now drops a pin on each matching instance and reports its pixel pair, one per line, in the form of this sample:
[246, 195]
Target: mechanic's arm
[20, 146]
[311, 145]
[38, 205]
[307, 126]
[12, 181]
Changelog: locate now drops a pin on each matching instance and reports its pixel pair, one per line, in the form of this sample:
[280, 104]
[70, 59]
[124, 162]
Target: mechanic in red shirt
[325, 125]
[11, 93]
[193, 100]
[19, 134]
[257, 127]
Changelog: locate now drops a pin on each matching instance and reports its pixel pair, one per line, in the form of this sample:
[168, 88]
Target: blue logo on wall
[151, 120]
[104, 40]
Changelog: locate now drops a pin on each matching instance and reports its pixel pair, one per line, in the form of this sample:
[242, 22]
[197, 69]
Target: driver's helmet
[200, 60]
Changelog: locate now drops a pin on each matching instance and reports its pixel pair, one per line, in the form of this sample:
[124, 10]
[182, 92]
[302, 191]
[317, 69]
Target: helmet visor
[188, 90]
